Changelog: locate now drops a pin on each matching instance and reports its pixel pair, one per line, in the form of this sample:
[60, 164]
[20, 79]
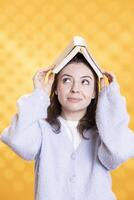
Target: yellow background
[32, 34]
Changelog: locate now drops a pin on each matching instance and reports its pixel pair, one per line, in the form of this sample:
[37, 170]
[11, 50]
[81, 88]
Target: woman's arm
[117, 140]
[24, 133]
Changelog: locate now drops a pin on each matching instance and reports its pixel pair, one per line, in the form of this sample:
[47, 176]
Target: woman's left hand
[110, 77]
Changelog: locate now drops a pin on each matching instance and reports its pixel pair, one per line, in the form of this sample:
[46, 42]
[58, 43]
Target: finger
[45, 69]
[111, 77]
[41, 73]
[49, 76]
[102, 83]
[42, 70]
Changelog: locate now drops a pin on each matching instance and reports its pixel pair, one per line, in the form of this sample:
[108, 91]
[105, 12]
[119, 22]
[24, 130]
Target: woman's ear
[56, 92]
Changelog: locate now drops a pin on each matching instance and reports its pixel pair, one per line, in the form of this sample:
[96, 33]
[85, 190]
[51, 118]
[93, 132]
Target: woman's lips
[74, 100]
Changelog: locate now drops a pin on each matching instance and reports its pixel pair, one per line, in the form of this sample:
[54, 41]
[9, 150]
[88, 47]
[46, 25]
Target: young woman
[76, 136]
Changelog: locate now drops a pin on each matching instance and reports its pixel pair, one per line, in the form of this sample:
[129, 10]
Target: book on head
[77, 45]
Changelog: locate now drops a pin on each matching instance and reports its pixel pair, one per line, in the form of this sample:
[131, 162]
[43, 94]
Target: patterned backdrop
[32, 34]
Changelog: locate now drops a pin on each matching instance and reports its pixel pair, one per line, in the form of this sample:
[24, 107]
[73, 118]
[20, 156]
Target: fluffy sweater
[61, 171]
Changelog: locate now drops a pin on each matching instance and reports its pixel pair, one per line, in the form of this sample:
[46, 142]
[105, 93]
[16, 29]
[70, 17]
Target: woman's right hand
[39, 79]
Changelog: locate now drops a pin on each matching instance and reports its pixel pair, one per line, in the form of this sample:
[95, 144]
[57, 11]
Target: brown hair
[54, 110]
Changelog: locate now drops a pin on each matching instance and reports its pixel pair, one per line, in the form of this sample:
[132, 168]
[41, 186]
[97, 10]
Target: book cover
[77, 45]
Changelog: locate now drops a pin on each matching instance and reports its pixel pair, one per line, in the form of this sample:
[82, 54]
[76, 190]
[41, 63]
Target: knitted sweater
[61, 171]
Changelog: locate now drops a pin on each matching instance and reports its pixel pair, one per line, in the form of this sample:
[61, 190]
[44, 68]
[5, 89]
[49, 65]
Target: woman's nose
[75, 88]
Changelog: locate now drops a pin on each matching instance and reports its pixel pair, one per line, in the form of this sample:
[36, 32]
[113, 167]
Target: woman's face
[75, 89]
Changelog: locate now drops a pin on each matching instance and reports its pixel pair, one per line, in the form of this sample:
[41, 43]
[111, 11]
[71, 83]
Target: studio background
[32, 34]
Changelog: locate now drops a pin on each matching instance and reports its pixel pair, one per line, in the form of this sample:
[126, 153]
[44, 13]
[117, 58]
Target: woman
[76, 137]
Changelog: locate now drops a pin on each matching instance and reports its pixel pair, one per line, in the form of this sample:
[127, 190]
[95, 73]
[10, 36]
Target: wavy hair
[54, 109]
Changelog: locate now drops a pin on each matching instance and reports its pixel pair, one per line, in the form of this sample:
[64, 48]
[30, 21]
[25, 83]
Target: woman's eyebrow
[66, 75]
[81, 76]
[86, 77]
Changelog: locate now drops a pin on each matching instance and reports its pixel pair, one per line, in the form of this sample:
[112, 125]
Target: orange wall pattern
[32, 34]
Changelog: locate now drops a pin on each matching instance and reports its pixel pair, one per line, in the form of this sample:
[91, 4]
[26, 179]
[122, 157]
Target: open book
[77, 45]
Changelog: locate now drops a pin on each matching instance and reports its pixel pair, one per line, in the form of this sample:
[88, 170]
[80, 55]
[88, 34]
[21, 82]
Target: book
[77, 45]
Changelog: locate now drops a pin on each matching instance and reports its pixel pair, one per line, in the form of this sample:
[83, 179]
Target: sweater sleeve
[112, 119]
[23, 135]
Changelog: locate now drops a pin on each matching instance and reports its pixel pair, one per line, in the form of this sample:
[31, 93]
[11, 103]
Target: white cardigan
[61, 171]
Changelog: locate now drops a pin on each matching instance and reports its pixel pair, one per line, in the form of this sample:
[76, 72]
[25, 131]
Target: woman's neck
[71, 116]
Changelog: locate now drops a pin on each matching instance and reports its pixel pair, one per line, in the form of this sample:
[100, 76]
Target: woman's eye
[85, 82]
[66, 80]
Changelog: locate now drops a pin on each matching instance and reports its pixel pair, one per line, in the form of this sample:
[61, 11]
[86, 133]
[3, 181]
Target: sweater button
[73, 156]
